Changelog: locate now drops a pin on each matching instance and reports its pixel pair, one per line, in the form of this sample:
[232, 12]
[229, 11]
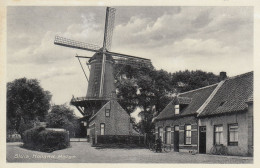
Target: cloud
[199, 47]
[220, 28]
[59, 71]
[43, 53]
[204, 23]
[46, 52]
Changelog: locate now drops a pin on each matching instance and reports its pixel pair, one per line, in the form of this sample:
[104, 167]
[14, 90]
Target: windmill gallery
[103, 115]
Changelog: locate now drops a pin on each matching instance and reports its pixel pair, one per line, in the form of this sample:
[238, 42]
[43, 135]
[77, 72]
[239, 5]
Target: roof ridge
[198, 89]
[184, 97]
[241, 75]
[204, 105]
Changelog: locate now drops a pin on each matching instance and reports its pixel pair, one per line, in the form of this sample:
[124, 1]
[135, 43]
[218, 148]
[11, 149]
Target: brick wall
[118, 123]
[225, 120]
[95, 77]
[250, 121]
[181, 122]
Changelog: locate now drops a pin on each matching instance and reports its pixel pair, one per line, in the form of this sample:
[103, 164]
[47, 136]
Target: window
[187, 134]
[233, 134]
[168, 135]
[107, 111]
[84, 123]
[176, 128]
[218, 134]
[177, 109]
[222, 103]
[102, 129]
[160, 130]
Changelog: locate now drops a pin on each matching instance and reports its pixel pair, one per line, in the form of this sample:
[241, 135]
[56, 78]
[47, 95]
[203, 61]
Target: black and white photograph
[129, 84]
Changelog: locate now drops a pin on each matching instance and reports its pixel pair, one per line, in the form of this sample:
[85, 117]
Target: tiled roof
[184, 100]
[195, 97]
[231, 96]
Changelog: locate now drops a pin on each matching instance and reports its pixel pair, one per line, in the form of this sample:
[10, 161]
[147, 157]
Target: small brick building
[220, 114]
[111, 119]
[177, 124]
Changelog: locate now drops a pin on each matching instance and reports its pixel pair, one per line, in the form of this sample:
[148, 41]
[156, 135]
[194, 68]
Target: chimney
[222, 76]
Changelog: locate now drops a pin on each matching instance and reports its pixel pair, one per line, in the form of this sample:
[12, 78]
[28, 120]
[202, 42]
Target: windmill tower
[101, 80]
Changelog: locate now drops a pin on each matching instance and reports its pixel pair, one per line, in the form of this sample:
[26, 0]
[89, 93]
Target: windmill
[101, 80]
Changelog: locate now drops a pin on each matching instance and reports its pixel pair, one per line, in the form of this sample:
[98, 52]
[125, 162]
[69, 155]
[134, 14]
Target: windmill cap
[99, 56]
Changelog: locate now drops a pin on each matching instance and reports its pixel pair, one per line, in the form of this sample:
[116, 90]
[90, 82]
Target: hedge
[120, 139]
[41, 139]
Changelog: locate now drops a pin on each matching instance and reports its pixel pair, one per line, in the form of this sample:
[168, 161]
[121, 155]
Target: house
[111, 119]
[227, 116]
[219, 114]
[177, 123]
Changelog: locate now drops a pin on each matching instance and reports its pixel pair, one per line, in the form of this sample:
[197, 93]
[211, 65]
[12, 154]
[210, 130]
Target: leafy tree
[127, 93]
[188, 80]
[27, 102]
[144, 88]
[61, 116]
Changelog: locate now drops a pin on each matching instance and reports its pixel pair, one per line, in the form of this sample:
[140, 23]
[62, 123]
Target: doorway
[202, 139]
[176, 138]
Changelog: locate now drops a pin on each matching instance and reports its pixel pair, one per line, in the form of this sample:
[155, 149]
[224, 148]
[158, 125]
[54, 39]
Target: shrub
[53, 140]
[39, 138]
[30, 136]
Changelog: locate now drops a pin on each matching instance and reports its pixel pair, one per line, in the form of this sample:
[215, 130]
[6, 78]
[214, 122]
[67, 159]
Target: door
[102, 129]
[161, 134]
[168, 135]
[202, 139]
[176, 138]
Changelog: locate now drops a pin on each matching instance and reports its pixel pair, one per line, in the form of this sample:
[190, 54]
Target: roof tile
[232, 96]
[195, 97]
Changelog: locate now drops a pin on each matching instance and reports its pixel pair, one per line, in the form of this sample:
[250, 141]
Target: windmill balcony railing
[79, 99]
[135, 63]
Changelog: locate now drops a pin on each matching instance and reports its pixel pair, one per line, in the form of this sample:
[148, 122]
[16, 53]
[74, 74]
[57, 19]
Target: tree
[61, 116]
[27, 102]
[189, 80]
[127, 94]
[145, 88]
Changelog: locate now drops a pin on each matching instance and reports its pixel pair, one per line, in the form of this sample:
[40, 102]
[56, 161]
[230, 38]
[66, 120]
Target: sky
[211, 39]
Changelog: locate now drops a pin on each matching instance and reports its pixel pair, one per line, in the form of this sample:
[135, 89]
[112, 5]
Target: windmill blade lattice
[109, 28]
[75, 44]
[132, 61]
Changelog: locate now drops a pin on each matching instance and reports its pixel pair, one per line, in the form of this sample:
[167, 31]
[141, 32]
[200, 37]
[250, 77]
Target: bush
[39, 138]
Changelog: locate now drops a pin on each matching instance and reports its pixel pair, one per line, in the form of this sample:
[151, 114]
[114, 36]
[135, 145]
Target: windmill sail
[75, 44]
[109, 27]
[132, 61]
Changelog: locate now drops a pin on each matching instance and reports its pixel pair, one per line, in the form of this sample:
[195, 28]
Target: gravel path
[82, 152]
